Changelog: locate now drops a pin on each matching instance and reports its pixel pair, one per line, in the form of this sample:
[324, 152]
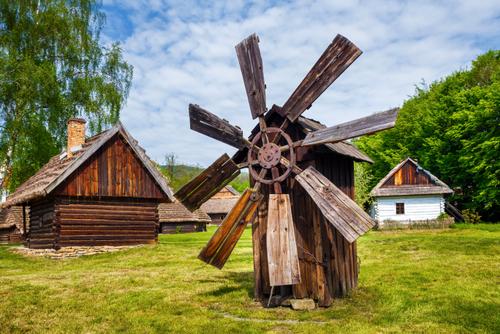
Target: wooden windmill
[271, 155]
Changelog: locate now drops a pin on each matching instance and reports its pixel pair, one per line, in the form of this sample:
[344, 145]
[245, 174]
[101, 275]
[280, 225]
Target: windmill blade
[248, 53]
[222, 243]
[208, 183]
[359, 127]
[338, 209]
[282, 255]
[338, 56]
[203, 121]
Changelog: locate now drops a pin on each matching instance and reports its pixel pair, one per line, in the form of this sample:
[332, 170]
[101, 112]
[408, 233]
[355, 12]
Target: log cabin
[176, 218]
[220, 204]
[102, 190]
[11, 225]
[328, 262]
[408, 193]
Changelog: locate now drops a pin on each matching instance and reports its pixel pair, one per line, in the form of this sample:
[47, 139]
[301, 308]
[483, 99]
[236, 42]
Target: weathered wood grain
[204, 122]
[217, 250]
[341, 211]
[359, 127]
[113, 171]
[250, 61]
[337, 57]
[282, 256]
[210, 181]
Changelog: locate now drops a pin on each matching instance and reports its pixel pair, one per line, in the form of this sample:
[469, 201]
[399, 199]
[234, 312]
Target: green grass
[429, 281]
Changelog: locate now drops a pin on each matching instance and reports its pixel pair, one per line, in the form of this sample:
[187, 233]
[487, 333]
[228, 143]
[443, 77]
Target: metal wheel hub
[269, 155]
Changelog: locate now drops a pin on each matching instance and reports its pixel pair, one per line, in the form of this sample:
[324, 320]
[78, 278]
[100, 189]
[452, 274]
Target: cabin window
[400, 208]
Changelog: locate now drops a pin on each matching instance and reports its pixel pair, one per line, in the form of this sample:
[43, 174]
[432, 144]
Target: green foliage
[452, 128]
[443, 216]
[408, 283]
[362, 180]
[241, 182]
[52, 68]
[471, 216]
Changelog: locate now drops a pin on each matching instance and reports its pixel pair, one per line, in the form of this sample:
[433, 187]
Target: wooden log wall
[113, 171]
[112, 222]
[42, 230]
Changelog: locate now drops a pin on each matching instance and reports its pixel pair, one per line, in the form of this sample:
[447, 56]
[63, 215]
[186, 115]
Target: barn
[220, 204]
[408, 193]
[175, 218]
[101, 190]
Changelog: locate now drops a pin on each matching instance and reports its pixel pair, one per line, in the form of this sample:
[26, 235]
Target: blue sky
[183, 52]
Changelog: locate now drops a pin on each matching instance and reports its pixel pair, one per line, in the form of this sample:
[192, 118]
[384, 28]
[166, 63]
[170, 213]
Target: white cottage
[408, 193]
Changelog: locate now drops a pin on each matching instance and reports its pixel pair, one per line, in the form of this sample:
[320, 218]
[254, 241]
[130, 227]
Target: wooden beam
[204, 122]
[209, 182]
[217, 250]
[341, 211]
[282, 255]
[359, 127]
[337, 57]
[250, 60]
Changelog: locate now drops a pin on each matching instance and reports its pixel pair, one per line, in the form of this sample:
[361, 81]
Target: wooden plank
[341, 211]
[282, 256]
[217, 250]
[256, 247]
[337, 57]
[208, 183]
[250, 61]
[359, 127]
[204, 122]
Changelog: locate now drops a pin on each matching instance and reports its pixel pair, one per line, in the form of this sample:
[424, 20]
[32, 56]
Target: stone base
[69, 252]
[302, 304]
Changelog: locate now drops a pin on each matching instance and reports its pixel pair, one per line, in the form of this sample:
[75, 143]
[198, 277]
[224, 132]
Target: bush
[442, 216]
[471, 216]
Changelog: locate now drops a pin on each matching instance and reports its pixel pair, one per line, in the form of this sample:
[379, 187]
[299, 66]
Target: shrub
[471, 216]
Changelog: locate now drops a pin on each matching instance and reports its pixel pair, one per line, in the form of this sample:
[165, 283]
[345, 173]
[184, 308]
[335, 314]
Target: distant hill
[182, 174]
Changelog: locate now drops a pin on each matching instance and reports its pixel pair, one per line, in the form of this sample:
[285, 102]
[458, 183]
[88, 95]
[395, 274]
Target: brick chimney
[76, 135]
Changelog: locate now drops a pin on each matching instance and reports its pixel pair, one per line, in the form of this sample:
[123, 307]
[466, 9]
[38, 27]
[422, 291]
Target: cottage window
[400, 208]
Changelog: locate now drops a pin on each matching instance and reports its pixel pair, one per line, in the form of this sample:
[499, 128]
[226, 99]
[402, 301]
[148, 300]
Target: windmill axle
[269, 156]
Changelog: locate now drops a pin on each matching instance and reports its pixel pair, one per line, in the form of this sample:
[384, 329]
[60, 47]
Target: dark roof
[176, 212]
[437, 186]
[219, 205]
[222, 202]
[60, 167]
[343, 148]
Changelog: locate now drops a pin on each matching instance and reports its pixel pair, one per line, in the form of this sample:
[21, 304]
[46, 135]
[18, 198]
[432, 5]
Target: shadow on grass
[238, 281]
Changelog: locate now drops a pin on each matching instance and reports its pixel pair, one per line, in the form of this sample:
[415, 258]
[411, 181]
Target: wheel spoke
[284, 148]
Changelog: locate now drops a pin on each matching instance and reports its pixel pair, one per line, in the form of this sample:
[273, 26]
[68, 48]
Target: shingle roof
[60, 167]
[343, 148]
[219, 205]
[437, 186]
[222, 202]
[176, 212]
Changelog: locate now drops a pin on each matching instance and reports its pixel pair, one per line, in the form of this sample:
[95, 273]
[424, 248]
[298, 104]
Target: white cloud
[183, 52]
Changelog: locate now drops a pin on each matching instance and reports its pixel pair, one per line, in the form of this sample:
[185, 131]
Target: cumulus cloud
[183, 52]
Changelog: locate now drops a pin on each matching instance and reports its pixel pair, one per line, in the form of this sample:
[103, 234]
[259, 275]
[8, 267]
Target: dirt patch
[69, 252]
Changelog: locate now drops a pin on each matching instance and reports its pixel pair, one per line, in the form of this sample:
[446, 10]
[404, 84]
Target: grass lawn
[429, 281]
